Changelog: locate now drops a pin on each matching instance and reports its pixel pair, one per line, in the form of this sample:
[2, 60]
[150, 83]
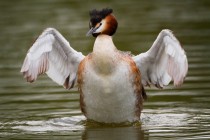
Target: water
[44, 110]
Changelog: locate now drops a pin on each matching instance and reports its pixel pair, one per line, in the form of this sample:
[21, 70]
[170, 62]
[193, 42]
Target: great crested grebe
[111, 82]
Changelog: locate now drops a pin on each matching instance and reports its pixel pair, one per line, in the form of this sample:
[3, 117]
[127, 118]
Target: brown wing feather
[138, 87]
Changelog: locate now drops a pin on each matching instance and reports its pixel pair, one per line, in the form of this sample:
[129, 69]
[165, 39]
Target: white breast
[109, 97]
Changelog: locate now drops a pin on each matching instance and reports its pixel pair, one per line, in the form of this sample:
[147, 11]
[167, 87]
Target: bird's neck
[104, 54]
[104, 44]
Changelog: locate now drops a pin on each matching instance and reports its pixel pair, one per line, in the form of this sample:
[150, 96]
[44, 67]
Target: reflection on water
[115, 133]
[44, 110]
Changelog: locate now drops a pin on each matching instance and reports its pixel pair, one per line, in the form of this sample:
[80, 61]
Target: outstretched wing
[164, 61]
[52, 53]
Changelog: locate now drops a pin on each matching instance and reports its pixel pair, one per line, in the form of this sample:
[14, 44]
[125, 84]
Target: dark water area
[44, 110]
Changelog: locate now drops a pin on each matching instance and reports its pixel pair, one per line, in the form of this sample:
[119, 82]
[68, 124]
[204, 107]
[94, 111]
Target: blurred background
[44, 110]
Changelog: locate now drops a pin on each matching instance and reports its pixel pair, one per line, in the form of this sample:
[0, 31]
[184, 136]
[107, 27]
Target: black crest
[97, 15]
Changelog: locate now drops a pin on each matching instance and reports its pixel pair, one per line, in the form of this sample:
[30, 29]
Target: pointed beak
[91, 31]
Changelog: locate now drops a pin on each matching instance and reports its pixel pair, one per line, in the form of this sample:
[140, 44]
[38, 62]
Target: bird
[111, 82]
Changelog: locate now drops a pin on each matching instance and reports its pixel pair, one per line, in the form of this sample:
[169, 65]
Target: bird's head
[102, 22]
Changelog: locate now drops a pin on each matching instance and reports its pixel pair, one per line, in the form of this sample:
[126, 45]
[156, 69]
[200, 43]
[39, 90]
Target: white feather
[51, 53]
[164, 61]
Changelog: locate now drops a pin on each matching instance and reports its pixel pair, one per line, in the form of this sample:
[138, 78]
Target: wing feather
[164, 61]
[52, 54]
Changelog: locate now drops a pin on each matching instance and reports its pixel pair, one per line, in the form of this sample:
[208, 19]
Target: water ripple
[73, 123]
